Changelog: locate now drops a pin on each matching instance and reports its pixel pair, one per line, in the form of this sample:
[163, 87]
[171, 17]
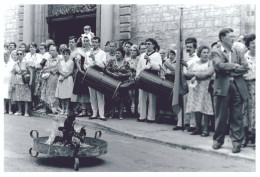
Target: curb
[142, 138]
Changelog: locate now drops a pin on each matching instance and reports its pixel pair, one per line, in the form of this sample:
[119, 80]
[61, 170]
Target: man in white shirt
[96, 57]
[150, 60]
[111, 55]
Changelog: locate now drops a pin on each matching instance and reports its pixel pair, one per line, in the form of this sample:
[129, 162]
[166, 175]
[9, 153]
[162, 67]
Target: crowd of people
[220, 79]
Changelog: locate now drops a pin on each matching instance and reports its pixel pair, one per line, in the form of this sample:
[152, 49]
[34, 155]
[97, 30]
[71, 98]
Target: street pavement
[125, 153]
[163, 134]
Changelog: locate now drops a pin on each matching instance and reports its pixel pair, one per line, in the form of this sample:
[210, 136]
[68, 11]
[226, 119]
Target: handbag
[25, 76]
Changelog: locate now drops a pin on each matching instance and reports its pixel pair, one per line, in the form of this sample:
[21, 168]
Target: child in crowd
[65, 81]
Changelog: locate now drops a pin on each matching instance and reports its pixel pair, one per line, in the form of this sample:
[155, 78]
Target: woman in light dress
[65, 82]
[199, 100]
[21, 92]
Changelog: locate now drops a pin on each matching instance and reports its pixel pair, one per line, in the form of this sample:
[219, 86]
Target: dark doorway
[61, 30]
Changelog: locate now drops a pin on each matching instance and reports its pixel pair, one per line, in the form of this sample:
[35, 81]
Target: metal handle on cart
[33, 155]
[98, 134]
[37, 134]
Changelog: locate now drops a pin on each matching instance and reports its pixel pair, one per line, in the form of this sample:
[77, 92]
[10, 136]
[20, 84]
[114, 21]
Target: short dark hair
[249, 38]
[173, 52]
[129, 42]
[154, 42]
[12, 43]
[96, 38]
[121, 50]
[107, 43]
[73, 37]
[224, 32]
[199, 50]
[33, 44]
[213, 44]
[191, 40]
[66, 50]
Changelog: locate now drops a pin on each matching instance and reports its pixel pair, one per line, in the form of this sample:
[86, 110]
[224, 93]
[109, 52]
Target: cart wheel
[76, 164]
[30, 151]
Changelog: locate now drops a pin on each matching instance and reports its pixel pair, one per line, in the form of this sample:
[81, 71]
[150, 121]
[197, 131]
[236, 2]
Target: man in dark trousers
[229, 90]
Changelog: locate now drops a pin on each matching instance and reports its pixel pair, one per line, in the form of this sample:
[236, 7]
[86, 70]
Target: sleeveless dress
[65, 86]
[199, 99]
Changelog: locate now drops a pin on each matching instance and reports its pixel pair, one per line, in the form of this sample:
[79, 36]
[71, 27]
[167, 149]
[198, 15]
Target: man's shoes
[191, 129]
[217, 145]
[150, 121]
[205, 134]
[103, 118]
[236, 149]
[91, 118]
[196, 132]
[141, 120]
[177, 128]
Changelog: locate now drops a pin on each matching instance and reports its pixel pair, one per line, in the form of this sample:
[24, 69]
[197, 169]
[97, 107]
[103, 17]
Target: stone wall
[13, 23]
[200, 21]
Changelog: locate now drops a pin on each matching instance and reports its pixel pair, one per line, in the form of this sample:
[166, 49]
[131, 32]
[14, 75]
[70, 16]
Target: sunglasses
[148, 43]
[19, 54]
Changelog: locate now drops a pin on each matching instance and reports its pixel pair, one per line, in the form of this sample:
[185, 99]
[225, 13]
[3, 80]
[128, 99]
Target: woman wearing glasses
[151, 60]
[21, 92]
